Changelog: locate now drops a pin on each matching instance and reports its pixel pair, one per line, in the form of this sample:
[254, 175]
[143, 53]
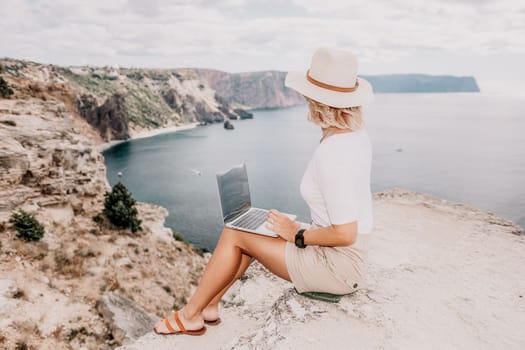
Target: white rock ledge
[442, 275]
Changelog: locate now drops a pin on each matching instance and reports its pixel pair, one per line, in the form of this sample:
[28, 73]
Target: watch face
[299, 239]
[299, 242]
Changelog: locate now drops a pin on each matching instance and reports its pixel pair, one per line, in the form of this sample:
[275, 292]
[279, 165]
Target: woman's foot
[193, 326]
[210, 314]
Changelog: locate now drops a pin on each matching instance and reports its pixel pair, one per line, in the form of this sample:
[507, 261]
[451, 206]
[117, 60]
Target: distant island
[421, 83]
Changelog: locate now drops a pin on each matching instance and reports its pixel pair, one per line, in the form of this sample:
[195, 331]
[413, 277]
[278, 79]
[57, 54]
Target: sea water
[467, 148]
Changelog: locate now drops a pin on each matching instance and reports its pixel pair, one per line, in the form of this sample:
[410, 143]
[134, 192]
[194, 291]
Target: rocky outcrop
[127, 321]
[252, 90]
[46, 160]
[188, 105]
[49, 166]
[110, 119]
[441, 275]
[228, 125]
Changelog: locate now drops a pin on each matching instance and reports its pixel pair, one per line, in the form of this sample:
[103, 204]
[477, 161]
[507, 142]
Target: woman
[330, 254]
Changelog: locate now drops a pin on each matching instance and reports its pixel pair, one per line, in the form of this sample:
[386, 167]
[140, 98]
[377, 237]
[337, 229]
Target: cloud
[241, 35]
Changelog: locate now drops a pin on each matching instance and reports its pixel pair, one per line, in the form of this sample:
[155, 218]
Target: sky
[483, 38]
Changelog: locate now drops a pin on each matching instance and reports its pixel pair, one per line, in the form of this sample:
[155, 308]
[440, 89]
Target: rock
[124, 262]
[45, 163]
[126, 320]
[45, 279]
[228, 125]
[7, 288]
[153, 218]
[244, 114]
[433, 265]
[252, 89]
[110, 119]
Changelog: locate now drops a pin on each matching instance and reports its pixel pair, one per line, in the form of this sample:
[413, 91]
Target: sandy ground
[441, 276]
[147, 133]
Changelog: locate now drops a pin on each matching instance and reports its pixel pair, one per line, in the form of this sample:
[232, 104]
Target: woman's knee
[229, 234]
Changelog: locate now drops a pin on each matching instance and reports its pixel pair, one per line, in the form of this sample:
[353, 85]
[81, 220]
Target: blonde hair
[327, 116]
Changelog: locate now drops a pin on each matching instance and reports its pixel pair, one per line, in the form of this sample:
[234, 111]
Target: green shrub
[135, 76]
[119, 208]
[27, 226]
[76, 331]
[178, 237]
[200, 250]
[5, 90]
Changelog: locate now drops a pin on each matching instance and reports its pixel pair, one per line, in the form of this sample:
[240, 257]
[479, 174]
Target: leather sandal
[180, 325]
[213, 322]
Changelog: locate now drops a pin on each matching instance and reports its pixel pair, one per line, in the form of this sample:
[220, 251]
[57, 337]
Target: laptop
[236, 204]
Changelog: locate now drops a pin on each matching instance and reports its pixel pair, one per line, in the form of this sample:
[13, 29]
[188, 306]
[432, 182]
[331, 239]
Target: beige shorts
[336, 270]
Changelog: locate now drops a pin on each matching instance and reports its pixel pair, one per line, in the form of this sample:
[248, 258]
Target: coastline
[145, 134]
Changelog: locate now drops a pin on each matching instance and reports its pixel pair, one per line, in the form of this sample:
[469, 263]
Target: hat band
[331, 87]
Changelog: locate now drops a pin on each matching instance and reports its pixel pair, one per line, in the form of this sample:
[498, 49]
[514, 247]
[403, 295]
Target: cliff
[442, 275]
[121, 103]
[49, 290]
[252, 90]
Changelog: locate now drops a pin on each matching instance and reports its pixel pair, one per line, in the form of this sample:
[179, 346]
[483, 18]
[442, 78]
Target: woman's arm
[331, 236]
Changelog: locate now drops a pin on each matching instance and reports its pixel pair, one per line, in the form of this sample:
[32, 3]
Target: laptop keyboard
[253, 219]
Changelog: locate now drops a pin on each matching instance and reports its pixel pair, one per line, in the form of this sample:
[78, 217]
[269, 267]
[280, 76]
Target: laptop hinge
[233, 216]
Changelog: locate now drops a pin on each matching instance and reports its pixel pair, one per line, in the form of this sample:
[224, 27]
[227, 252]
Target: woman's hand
[282, 225]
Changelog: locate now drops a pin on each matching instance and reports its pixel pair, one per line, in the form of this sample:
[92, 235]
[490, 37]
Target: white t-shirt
[336, 183]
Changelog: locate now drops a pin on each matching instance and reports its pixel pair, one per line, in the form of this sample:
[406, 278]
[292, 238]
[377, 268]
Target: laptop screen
[234, 192]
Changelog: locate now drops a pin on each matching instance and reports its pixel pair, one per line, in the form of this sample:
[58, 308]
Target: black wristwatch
[299, 239]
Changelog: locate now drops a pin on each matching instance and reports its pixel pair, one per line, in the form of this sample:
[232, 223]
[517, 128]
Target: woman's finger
[278, 214]
[270, 227]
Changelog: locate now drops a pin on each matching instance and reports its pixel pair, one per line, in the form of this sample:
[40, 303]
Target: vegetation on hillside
[5, 89]
[27, 226]
[119, 209]
[144, 106]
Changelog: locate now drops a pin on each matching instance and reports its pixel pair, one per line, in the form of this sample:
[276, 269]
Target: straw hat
[332, 80]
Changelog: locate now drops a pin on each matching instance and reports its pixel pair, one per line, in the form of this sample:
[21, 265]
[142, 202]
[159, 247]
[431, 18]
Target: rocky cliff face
[110, 119]
[49, 166]
[45, 158]
[121, 102]
[253, 89]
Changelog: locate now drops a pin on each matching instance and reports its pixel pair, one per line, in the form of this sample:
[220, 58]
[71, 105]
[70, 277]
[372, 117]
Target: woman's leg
[211, 311]
[223, 266]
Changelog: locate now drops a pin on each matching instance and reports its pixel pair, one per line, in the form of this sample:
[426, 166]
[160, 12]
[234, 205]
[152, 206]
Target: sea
[463, 147]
